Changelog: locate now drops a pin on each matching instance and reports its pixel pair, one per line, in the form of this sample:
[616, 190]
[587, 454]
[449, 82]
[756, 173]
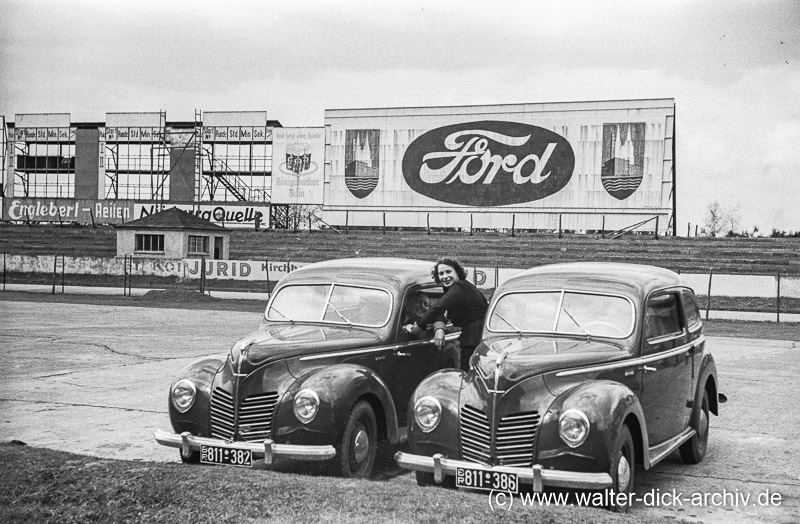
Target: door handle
[649, 368]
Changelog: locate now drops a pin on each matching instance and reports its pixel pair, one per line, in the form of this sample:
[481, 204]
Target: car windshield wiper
[347, 320]
[512, 326]
[577, 323]
[278, 311]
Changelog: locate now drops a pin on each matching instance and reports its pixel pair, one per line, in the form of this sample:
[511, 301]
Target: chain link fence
[773, 297]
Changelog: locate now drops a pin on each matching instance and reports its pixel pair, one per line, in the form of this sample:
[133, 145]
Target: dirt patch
[177, 296]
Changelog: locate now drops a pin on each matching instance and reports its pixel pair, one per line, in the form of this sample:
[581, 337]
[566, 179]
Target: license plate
[227, 457]
[488, 480]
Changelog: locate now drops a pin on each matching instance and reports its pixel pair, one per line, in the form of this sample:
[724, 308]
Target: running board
[662, 451]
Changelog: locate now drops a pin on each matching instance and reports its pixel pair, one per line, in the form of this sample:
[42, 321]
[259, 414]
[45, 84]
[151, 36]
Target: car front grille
[513, 439]
[255, 416]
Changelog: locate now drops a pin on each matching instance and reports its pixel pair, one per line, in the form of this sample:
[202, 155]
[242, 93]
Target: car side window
[662, 317]
[415, 304]
[692, 312]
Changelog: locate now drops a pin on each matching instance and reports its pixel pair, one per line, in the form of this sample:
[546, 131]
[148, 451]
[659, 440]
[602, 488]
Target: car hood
[520, 357]
[273, 342]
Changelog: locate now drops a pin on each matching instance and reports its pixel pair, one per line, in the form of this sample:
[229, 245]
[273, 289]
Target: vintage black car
[328, 373]
[585, 370]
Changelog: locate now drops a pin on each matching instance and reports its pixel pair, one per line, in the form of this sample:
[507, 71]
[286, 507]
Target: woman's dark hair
[452, 262]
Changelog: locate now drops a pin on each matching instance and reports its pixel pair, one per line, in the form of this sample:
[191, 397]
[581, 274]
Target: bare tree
[301, 215]
[714, 220]
[722, 219]
[733, 216]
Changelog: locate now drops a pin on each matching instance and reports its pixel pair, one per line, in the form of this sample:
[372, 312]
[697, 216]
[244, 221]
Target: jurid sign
[488, 163]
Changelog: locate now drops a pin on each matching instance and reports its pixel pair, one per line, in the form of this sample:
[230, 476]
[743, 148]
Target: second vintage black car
[326, 376]
[584, 371]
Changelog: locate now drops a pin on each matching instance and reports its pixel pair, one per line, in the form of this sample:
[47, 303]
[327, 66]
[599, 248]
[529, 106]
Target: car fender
[445, 386]
[338, 387]
[607, 405]
[708, 372]
[195, 420]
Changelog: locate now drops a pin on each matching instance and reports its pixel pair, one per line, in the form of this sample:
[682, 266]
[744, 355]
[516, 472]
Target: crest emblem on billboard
[488, 163]
[298, 160]
[623, 158]
[361, 160]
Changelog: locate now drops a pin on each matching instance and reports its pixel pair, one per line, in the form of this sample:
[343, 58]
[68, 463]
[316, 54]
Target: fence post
[470, 224]
[4, 271]
[779, 298]
[124, 274]
[266, 267]
[708, 298]
[63, 263]
[656, 236]
[428, 220]
[560, 235]
[55, 269]
[202, 275]
[603, 231]
[688, 229]
[346, 222]
[384, 224]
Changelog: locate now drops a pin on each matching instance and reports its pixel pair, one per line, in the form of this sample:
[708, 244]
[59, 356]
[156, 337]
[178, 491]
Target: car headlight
[183, 394]
[306, 405]
[573, 427]
[427, 413]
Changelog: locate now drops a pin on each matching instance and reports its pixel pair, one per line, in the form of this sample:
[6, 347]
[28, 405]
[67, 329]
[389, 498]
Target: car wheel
[622, 472]
[194, 458]
[356, 450]
[426, 479]
[694, 449]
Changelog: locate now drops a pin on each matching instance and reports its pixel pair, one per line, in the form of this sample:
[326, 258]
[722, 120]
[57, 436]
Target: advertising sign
[68, 210]
[298, 156]
[579, 160]
[226, 214]
[489, 163]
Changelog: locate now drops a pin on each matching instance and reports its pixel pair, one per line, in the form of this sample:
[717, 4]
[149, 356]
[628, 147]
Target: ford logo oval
[488, 163]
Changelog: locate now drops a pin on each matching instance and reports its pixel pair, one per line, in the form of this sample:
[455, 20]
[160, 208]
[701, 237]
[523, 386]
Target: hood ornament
[498, 370]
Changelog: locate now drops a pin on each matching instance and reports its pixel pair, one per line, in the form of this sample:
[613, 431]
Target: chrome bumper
[535, 475]
[266, 450]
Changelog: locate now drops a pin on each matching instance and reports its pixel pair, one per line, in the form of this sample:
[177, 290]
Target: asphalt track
[93, 380]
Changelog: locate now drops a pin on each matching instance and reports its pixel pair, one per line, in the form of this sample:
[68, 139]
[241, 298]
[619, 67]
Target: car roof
[392, 272]
[636, 279]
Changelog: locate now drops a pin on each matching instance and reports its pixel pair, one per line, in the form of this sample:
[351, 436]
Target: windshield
[563, 312]
[332, 303]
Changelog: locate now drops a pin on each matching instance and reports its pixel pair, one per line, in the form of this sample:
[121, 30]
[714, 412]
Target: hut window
[150, 243]
[198, 245]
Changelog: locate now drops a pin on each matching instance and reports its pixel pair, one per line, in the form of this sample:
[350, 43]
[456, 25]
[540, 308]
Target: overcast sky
[732, 66]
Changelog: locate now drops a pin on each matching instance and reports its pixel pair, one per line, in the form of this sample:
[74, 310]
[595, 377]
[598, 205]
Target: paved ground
[93, 379]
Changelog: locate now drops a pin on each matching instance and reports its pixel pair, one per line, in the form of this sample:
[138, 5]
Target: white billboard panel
[297, 165]
[538, 162]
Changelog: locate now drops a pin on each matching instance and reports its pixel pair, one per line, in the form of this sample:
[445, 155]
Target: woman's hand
[438, 338]
[412, 329]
